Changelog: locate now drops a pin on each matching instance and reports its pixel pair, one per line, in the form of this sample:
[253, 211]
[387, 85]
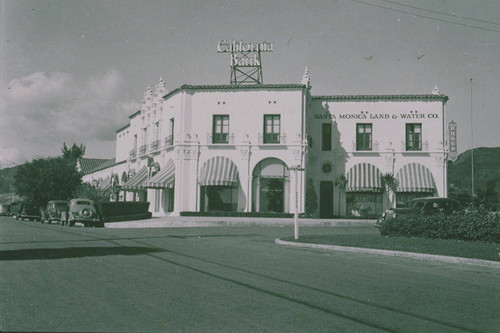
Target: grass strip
[445, 247]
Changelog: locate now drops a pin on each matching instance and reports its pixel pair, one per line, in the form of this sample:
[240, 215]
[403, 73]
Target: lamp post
[296, 168]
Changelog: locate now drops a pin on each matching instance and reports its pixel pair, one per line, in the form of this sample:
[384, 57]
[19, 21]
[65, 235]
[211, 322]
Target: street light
[296, 168]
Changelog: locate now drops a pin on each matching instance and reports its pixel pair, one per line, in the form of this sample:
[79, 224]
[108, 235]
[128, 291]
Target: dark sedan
[424, 206]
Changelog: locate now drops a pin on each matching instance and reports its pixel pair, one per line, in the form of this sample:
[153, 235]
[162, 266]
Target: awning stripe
[105, 184]
[364, 177]
[135, 183]
[415, 177]
[219, 171]
[164, 178]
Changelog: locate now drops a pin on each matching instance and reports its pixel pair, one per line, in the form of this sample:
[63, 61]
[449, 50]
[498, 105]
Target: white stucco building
[237, 147]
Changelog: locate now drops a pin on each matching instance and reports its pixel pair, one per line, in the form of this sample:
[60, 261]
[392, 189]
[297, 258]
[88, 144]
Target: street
[57, 278]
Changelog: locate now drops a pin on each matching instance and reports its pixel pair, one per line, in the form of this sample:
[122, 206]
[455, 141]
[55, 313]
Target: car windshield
[86, 203]
[60, 205]
[416, 204]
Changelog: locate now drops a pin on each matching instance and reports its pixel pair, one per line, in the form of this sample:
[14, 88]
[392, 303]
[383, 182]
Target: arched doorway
[270, 183]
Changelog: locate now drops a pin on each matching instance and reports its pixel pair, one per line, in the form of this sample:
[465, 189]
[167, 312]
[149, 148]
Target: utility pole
[472, 144]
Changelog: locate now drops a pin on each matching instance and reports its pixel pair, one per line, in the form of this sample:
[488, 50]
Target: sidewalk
[222, 221]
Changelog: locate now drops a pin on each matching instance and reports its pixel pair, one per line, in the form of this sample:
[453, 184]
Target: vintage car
[5, 209]
[84, 211]
[54, 210]
[424, 206]
[28, 211]
[14, 208]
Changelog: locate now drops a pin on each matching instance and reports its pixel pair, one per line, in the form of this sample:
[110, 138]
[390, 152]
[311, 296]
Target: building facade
[262, 148]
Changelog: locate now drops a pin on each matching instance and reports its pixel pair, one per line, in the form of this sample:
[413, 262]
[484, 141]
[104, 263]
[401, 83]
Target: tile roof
[425, 97]
[108, 164]
[122, 128]
[88, 164]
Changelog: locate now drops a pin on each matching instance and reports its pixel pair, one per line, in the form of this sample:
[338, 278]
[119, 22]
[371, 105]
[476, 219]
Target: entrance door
[271, 195]
[326, 199]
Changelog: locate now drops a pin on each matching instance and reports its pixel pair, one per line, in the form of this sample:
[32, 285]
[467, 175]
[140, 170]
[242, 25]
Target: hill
[7, 179]
[486, 172]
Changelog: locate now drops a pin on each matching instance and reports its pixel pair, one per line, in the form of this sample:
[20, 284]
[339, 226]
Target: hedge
[472, 226]
[238, 214]
[123, 210]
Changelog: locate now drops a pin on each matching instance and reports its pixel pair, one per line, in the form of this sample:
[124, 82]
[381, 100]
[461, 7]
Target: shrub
[123, 211]
[472, 226]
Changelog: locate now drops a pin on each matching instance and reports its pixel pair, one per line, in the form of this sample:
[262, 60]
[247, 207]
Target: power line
[440, 13]
[423, 16]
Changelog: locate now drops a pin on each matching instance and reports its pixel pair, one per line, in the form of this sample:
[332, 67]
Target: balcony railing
[142, 149]
[424, 146]
[133, 153]
[168, 141]
[374, 147]
[155, 145]
[220, 139]
[279, 139]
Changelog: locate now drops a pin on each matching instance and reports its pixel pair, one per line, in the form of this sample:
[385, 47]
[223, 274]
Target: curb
[420, 256]
[241, 222]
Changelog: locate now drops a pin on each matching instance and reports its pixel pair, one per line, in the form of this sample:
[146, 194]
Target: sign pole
[296, 168]
[296, 214]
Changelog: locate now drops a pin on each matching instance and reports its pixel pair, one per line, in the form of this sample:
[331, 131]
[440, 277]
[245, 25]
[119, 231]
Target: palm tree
[390, 184]
[341, 183]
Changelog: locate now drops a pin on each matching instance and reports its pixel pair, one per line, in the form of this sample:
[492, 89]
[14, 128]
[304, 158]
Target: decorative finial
[306, 79]
[435, 91]
[161, 88]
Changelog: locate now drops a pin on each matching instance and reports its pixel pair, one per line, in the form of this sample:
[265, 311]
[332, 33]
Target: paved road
[55, 278]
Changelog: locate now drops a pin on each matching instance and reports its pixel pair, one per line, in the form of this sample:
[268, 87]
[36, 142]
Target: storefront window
[219, 198]
[363, 136]
[413, 137]
[363, 204]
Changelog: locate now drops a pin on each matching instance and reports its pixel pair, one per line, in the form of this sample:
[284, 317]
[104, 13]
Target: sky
[73, 71]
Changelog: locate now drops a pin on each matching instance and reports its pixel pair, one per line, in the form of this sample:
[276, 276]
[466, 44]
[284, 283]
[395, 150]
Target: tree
[74, 153]
[341, 183]
[390, 184]
[87, 191]
[45, 179]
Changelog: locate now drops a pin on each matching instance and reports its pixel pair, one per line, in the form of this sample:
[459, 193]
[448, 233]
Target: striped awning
[219, 171]
[364, 177]
[415, 177]
[105, 184]
[164, 178]
[135, 182]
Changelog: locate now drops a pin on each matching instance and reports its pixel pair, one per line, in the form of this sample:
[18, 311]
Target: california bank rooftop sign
[231, 47]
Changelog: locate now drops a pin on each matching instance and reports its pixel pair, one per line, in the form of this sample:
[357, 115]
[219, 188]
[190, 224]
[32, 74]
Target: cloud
[40, 111]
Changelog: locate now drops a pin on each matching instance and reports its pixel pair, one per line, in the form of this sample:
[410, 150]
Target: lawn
[373, 240]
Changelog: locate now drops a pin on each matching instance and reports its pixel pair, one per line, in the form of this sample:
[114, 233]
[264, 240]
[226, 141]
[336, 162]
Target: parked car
[14, 208]
[5, 209]
[28, 211]
[84, 211]
[424, 206]
[54, 210]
